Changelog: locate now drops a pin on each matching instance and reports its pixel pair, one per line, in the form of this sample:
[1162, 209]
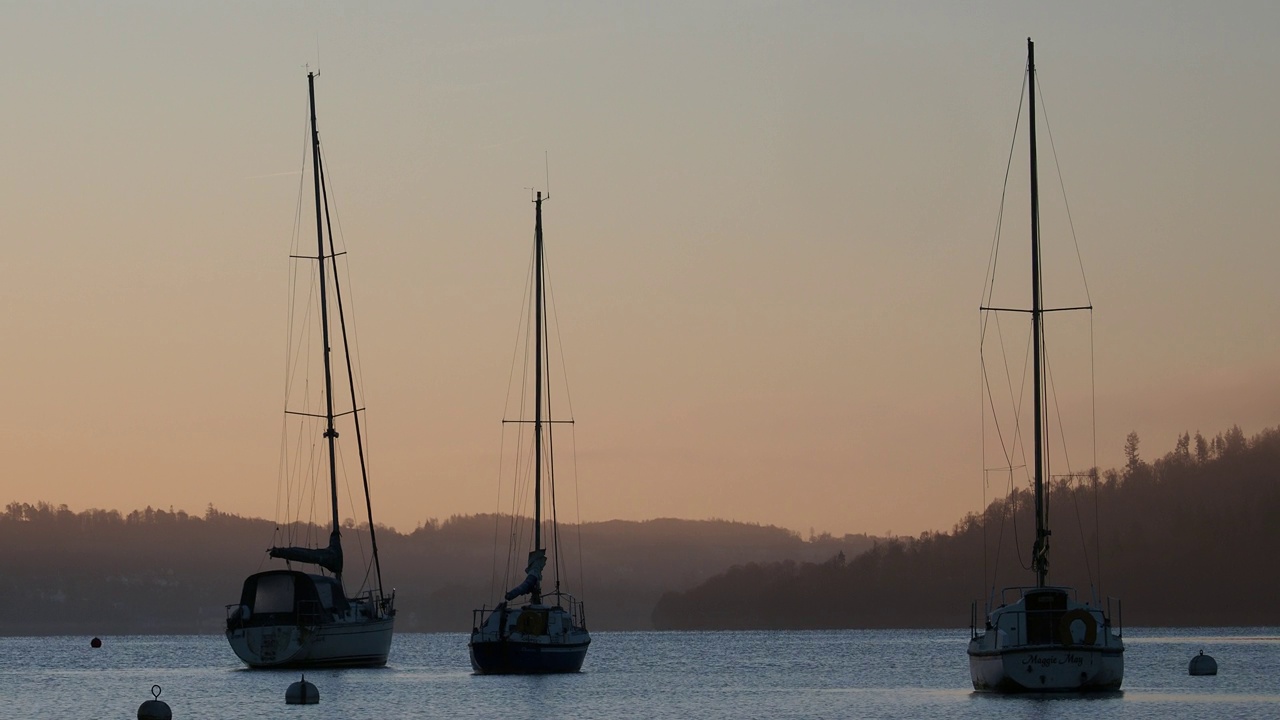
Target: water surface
[813, 674]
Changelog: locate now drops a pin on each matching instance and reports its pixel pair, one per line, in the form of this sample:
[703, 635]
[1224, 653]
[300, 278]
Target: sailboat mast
[537, 374]
[330, 433]
[1040, 554]
[351, 384]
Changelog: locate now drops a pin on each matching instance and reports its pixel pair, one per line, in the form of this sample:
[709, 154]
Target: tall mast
[537, 374]
[330, 433]
[1040, 552]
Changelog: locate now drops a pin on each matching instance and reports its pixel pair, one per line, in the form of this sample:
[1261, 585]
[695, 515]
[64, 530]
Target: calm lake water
[819, 674]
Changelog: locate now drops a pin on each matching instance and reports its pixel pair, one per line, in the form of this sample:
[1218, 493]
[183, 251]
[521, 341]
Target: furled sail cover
[329, 558]
[533, 575]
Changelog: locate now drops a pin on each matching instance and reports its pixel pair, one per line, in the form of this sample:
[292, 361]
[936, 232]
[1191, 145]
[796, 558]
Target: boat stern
[1046, 642]
[533, 639]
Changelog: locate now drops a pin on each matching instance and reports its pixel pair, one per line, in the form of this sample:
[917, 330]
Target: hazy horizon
[767, 241]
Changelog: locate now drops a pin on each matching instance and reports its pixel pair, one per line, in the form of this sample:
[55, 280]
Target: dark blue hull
[507, 657]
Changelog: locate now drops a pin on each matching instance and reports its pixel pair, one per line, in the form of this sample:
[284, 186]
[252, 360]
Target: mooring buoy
[155, 708]
[302, 693]
[95, 643]
[1203, 665]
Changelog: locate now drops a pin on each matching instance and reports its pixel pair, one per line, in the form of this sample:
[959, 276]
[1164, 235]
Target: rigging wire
[577, 505]
[564, 373]
[551, 486]
[1044, 111]
[355, 529]
[989, 400]
[356, 388]
[1093, 403]
[523, 465]
[525, 468]
[521, 327]
[573, 433]
[523, 482]
[1019, 446]
[988, 293]
[302, 468]
[282, 478]
[1070, 474]
[1084, 280]
[993, 255]
[497, 512]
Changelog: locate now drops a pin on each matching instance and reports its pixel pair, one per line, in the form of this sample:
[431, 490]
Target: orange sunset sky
[768, 236]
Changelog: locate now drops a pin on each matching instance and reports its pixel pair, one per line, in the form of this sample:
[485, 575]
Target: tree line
[1189, 539]
[165, 571]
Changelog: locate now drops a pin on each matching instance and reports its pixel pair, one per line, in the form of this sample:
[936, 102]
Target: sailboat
[290, 618]
[1044, 640]
[545, 632]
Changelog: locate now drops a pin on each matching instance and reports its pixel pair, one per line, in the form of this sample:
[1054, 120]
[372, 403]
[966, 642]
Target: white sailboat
[545, 632]
[1043, 639]
[290, 618]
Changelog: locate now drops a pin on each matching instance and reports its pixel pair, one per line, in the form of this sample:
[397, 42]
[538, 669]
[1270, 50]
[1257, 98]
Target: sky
[768, 240]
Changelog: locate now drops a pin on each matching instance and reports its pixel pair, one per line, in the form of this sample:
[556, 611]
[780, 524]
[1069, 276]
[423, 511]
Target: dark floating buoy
[1203, 665]
[95, 643]
[302, 693]
[155, 708]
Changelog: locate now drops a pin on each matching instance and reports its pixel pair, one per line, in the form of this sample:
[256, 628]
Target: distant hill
[156, 571]
[1190, 539]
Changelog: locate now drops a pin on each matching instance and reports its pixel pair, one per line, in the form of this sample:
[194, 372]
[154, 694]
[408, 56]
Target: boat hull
[1046, 641]
[342, 644]
[514, 657]
[1046, 669]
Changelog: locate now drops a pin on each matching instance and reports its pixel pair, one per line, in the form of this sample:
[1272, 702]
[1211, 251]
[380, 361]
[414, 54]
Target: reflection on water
[827, 674]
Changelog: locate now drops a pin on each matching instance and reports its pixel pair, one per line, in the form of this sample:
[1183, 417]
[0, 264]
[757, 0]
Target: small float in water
[155, 708]
[302, 693]
[1203, 665]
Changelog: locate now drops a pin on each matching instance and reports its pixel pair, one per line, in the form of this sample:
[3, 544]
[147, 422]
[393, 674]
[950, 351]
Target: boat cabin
[1046, 616]
[277, 597]
[1044, 609]
[534, 623]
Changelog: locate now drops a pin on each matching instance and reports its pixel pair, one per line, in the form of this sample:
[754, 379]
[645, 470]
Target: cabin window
[532, 622]
[1044, 612]
[1042, 627]
[274, 594]
[325, 591]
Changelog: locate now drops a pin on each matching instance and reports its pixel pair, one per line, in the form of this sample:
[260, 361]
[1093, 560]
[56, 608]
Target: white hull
[1046, 642]
[341, 644]
[1046, 669]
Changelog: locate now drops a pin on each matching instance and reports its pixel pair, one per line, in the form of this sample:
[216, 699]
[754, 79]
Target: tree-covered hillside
[157, 571]
[1190, 539]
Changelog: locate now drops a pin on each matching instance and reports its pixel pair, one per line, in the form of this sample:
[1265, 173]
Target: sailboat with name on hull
[547, 632]
[290, 618]
[1042, 639]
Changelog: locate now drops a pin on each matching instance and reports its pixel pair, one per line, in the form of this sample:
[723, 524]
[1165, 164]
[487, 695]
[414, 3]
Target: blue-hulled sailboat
[533, 630]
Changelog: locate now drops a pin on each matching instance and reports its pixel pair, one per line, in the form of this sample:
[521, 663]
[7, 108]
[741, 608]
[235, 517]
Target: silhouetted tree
[1132, 462]
[1183, 447]
[1234, 441]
